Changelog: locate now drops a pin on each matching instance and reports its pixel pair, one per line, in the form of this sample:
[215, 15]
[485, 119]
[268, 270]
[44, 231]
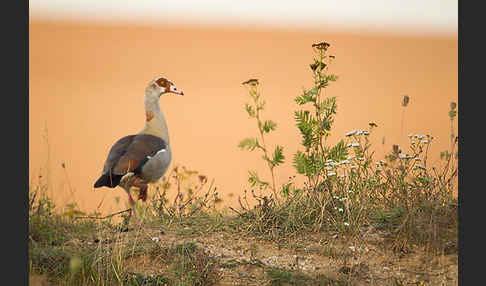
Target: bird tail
[101, 181]
[108, 181]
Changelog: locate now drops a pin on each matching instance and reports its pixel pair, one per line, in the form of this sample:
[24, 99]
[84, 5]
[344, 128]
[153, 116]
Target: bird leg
[125, 184]
[129, 180]
[132, 204]
[139, 183]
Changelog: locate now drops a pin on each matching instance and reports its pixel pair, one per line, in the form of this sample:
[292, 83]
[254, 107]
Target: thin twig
[95, 217]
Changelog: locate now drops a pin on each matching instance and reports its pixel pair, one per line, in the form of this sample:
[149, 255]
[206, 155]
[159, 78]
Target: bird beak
[177, 92]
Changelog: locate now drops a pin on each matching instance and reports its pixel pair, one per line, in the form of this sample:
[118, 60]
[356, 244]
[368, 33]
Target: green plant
[193, 195]
[264, 127]
[315, 125]
[345, 187]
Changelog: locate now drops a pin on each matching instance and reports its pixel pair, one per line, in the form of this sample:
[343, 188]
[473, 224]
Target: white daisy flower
[345, 162]
[366, 133]
[425, 141]
[361, 158]
[346, 224]
[351, 133]
[331, 173]
[340, 209]
[417, 159]
[354, 144]
[333, 164]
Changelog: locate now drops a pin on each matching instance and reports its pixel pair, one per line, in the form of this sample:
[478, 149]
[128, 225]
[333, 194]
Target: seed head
[251, 82]
[453, 105]
[405, 100]
[321, 46]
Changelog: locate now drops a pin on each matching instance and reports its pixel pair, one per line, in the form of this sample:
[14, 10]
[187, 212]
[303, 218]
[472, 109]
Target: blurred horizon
[414, 17]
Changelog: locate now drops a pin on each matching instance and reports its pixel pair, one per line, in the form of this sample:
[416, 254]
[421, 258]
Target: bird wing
[130, 151]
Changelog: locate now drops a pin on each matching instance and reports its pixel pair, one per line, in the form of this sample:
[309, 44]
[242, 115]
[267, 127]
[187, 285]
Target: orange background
[87, 82]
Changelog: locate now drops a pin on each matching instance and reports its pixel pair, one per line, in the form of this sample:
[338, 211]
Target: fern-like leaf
[268, 126]
[248, 144]
[278, 156]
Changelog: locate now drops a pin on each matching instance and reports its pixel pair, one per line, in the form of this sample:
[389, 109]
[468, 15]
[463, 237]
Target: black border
[15, 122]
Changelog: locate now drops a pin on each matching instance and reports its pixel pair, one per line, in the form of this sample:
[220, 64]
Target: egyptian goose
[136, 160]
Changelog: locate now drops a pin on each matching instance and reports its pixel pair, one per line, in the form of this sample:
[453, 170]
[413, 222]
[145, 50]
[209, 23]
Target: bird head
[161, 85]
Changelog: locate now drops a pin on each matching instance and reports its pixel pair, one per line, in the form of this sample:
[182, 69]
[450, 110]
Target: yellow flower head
[324, 132]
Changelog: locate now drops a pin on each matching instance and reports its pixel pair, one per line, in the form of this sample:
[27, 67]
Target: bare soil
[244, 260]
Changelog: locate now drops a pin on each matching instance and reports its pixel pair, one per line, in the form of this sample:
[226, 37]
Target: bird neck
[155, 123]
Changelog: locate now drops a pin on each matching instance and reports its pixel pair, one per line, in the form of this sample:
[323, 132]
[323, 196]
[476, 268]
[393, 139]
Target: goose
[142, 158]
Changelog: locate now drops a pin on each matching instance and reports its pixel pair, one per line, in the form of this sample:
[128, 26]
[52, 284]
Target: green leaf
[260, 105]
[304, 164]
[314, 90]
[254, 180]
[286, 189]
[452, 114]
[308, 127]
[332, 77]
[250, 110]
[278, 157]
[268, 126]
[338, 152]
[305, 98]
[249, 144]
[299, 162]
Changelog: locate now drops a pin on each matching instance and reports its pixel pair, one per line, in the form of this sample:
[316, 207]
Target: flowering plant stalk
[264, 127]
[315, 124]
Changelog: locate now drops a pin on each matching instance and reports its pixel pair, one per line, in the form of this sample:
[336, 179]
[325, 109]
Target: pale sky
[408, 16]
